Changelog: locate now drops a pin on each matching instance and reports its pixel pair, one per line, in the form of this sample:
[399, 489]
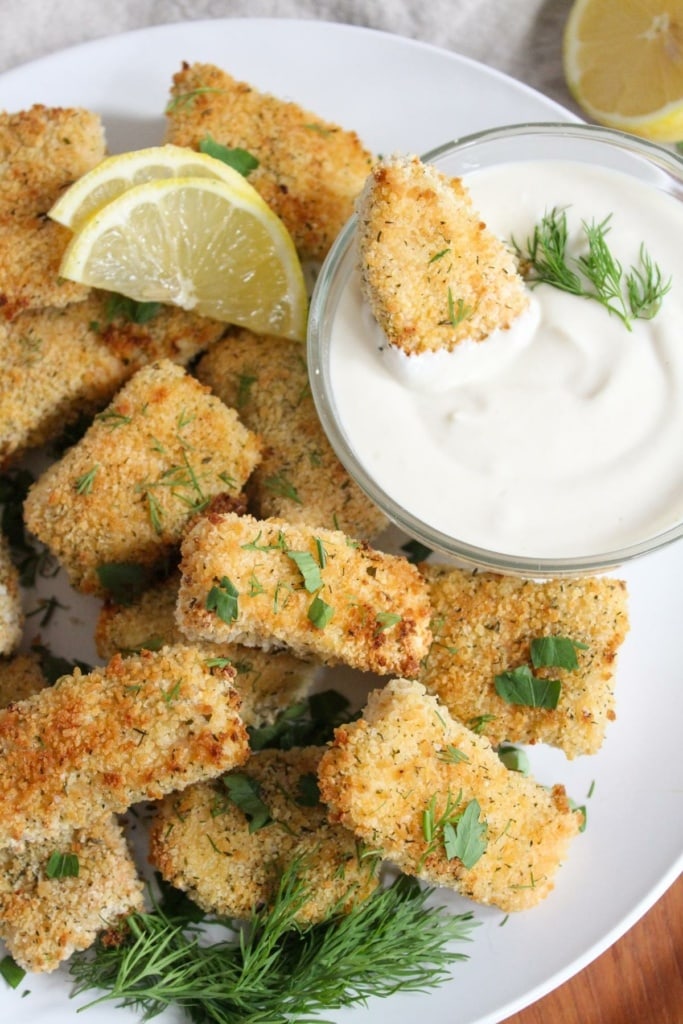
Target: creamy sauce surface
[560, 437]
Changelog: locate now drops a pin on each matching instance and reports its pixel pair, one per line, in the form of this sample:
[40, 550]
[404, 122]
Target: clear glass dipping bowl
[643, 160]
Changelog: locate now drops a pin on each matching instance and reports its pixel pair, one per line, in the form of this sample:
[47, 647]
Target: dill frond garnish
[274, 971]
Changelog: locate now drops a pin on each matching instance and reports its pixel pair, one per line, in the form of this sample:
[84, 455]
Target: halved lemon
[118, 173]
[623, 62]
[202, 244]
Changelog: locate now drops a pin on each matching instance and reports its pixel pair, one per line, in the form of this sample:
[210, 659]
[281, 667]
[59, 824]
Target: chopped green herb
[386, 620]
[245, 793]
[239, 159]
[514, 758]
[12, 973]
[279, 484]
[452, 755]
[120, 307]
[416, 551]
[319, 612]
[465, 838]
[223, 599]
[322, 554]
[439, 255]
[124, 581]
[85, 482]
[458, 311]
[186, 99]
[113, 419]
[309, 569]
[307, 792]
[520, 686]
[245, 382]
[479, 722]
[556, 652]
[62, 865]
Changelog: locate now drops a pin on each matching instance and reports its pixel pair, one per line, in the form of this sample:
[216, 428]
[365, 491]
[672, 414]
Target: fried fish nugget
[310, 170]
[484, 625]
[150, 461]
[44, 917]
[95, 744]
[406, 767]
[203, 843]
[43, 150]
[431, 271]
[300, 478]
[266, 681]
[61, 364]
[268, 583]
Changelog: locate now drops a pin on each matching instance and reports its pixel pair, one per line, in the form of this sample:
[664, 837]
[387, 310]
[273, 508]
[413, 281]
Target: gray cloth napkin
[520, 37]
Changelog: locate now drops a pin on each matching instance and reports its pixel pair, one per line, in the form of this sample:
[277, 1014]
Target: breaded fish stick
[404, 771]
[269, 583]
[204, 843]
[485, 626]
[300, 478]
[95, 744]
[310, 170]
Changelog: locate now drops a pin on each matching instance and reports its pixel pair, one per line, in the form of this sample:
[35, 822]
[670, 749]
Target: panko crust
[484, 624]
[201, 842]
[43, 150]
[154, 458]
[431, 271]
[310, 170]
[300, 478]
[382, 772]
[95, 744]
[381, 610]
[44, 920]
[61, 364]
[20, 677]
[267, 681]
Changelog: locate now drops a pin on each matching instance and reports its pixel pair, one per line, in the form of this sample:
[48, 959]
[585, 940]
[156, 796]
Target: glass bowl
[641, 161]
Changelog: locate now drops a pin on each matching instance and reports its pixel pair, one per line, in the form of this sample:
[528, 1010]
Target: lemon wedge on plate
[213, 246]
[623, 62]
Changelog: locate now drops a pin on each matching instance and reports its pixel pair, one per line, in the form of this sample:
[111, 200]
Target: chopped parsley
[223, 599]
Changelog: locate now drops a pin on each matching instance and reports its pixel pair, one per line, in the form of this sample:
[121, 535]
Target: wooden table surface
[639, 980]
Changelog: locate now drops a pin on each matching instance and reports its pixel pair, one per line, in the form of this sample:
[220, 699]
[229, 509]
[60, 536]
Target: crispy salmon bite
[431, 272]
[228, 853]
[438, 801]
[269, 583]
[486, 628]
[154, 458]
[43, 150]
[63, 364]
[300, 478]
[97, 743]
[309, 169]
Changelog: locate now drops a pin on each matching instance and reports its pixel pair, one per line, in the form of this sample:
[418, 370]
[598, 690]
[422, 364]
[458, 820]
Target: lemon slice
[623, 62]
[116, 174]
[197, 243]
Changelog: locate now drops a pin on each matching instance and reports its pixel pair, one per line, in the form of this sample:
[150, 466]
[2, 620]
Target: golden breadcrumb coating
[11, 612]
[404, 759]
[266, 681]
[378, 603]
[44, 919]
[147, 464]
[43, 150]
[60, 364]
[201, 841]
[20, 677]
[97, 743]
[310, 170]
[483, 626]
[431, 271]
[300, 478]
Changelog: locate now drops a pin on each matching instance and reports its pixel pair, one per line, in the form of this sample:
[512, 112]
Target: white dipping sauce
[560, 437]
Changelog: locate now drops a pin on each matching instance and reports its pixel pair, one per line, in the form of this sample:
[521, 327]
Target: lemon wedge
[623, 62]
[211, 246]
[118, 173]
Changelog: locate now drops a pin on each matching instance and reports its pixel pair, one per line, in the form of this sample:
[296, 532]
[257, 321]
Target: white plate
[402, 95]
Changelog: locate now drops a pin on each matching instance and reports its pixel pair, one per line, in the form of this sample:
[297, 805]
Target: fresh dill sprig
[274, 971]
[636, 294]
